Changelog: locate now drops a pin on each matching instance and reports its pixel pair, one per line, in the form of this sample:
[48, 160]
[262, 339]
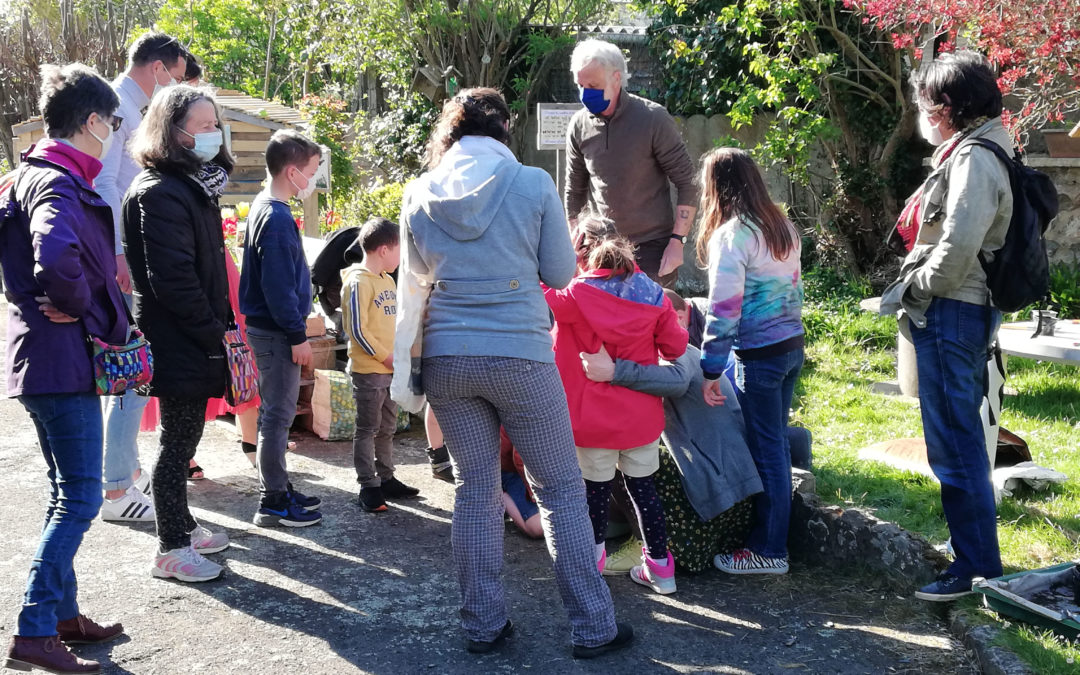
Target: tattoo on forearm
[684, 214]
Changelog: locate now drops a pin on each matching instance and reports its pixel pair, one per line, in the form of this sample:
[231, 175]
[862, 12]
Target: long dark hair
[481, 111]
[600, 247]
[733, 186]
[156, 143]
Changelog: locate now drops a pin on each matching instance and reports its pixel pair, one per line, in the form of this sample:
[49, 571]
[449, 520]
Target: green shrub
[1065, 289]
[382, 200]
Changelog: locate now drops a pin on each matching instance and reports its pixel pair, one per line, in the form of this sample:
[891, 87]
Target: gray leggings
[472, 397]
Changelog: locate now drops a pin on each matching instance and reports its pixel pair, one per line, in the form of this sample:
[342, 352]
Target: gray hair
[597, 51]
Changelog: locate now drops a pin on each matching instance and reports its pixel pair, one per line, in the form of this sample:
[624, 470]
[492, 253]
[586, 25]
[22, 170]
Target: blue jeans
[69, 430]
[765, 388]
[279, 388]
[951, 359]
[123, 414]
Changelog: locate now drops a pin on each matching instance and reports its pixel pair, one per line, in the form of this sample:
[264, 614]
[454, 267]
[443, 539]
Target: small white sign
[322, 175]
[552, 121]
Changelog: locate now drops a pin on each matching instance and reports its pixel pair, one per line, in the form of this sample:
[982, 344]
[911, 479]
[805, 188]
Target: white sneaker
[185, 564]
[142, 483]
[132, 507]
[204, 541]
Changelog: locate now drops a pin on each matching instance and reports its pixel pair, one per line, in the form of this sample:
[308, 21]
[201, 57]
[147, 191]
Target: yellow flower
[228, 212]
[242, 209]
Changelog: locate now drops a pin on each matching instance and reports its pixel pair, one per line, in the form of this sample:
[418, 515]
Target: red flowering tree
[1034, 45]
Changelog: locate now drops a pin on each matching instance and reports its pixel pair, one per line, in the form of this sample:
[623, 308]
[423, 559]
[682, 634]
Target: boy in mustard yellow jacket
[369, 306]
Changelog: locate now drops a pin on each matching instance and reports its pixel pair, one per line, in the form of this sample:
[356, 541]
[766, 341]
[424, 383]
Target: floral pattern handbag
[243, 382]
[118, 368]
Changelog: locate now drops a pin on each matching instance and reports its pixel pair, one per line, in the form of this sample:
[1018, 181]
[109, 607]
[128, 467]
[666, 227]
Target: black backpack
[1019, 274]
[340, 251]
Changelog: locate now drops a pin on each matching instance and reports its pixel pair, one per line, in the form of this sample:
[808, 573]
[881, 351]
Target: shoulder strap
[993, 147]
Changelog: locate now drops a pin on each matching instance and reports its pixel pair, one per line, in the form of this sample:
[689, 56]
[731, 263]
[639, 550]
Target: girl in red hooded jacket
[613, 305]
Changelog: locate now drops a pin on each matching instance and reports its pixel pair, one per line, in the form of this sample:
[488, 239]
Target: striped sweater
[369, 309]
[755, 300]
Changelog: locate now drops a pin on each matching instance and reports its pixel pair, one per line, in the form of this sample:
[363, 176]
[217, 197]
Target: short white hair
[597, 51]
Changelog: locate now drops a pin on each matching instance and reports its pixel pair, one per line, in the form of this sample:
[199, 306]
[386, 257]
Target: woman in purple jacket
[56, 250]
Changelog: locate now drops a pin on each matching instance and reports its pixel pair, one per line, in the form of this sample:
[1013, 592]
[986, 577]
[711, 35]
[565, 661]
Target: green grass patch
[847, 352]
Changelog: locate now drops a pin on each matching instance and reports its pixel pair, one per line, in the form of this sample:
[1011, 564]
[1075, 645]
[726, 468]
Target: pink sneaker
[184, 564]
[660, 579]
[601, 562]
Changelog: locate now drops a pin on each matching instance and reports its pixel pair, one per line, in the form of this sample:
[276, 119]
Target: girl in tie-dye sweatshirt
[755, 307]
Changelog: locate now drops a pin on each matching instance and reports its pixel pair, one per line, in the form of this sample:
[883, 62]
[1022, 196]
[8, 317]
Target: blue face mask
[207, 145]
[593, 99]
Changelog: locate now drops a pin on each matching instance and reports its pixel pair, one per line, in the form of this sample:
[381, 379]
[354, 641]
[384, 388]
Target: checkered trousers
[471, 396]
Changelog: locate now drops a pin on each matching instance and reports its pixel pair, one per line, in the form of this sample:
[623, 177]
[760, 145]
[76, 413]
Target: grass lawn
[849, 350]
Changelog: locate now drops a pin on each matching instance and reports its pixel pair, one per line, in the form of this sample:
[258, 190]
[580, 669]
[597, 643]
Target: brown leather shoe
[48, 654]
[83, 631]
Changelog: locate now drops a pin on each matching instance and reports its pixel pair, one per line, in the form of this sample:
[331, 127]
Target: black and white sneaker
[132, 507]
[745, 561]
[441, 468]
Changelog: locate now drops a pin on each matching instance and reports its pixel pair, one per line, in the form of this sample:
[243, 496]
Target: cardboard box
[316, 327]
[323, 356]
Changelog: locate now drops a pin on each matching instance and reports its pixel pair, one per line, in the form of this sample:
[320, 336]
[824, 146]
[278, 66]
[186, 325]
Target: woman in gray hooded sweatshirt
[480, 232]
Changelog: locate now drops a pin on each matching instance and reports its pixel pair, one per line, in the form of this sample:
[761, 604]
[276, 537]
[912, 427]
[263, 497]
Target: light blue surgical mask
[207, 144]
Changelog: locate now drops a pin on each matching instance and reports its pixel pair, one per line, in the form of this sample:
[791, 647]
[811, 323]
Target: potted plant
[1061, 141]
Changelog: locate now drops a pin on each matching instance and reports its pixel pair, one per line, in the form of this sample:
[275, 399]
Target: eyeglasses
[116, 122]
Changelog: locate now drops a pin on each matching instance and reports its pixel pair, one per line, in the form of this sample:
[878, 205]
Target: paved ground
[375, 593]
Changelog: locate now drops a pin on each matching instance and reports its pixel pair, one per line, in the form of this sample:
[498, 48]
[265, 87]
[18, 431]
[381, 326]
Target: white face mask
[106, 142]
[159, 86]
[303, 193]
[931, 132]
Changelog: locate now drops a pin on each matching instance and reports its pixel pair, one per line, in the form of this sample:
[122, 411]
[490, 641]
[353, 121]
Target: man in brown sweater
[622, 150]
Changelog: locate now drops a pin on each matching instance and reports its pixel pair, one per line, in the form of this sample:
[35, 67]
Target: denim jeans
[951, 359]
[70, 432]
[279, 388]
[123, 414]
[765, 388]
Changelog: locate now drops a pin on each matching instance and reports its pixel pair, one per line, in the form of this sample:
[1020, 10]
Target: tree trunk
[269, 54]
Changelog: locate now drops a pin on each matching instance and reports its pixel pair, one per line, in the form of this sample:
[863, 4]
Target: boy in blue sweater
[275, 295]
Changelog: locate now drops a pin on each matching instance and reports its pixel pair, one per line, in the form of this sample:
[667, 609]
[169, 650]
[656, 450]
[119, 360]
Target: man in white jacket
[155, 60]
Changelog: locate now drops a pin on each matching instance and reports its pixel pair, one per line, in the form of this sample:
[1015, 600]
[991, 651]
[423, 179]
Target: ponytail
[600, 247]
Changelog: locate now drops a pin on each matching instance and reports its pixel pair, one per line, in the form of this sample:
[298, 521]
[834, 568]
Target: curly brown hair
[481, 111]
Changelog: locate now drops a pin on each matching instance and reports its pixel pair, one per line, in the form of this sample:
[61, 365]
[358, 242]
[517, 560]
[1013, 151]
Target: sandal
[194, 471]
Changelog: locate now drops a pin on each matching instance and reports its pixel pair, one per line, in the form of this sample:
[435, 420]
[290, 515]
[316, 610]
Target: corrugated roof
[258, 108]
[613, 30]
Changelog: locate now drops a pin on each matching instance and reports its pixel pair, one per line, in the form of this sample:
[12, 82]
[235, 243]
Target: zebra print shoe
[745, 561]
